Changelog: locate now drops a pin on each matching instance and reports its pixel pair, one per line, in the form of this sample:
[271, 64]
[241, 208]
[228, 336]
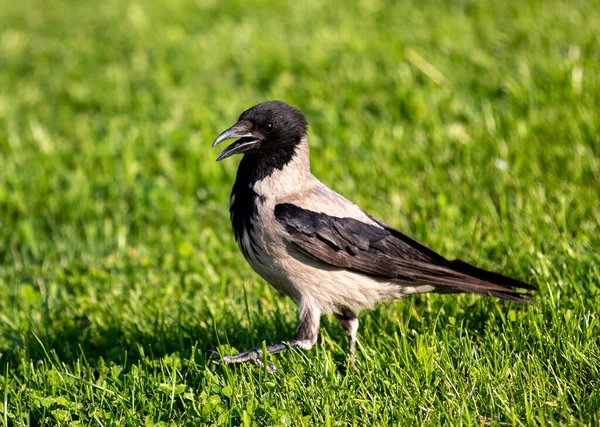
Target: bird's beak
[246, 141]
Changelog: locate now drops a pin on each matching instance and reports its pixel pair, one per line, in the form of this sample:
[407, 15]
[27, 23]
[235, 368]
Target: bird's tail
[486, 282]
[459, 276]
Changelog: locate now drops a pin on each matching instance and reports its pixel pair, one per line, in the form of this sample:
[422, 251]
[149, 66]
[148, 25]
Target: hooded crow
[317, 247]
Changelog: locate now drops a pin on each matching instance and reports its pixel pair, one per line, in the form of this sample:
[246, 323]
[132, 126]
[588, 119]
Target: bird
[320, 249]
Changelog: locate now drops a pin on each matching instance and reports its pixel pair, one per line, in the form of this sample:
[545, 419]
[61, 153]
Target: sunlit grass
[471, 126]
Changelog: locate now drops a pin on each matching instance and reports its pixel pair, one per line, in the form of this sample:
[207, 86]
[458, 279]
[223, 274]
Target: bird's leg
[306, 336]
[349, 322]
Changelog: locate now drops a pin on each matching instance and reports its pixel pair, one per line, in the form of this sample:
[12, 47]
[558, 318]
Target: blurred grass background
[472, 126]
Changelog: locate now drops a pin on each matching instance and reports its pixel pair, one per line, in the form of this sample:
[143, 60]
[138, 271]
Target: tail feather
[489, 276]
[509, 287]
[458, 276]
[415, 262]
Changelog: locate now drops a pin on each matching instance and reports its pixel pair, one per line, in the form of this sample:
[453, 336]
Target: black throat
[252, 169]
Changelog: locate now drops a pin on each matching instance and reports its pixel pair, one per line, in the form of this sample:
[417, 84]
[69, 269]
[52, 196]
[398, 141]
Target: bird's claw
[228, 359]
[270, 368]
[213, 355]
[216, 357]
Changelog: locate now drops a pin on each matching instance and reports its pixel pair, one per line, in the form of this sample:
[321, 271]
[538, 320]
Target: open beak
[245, 142]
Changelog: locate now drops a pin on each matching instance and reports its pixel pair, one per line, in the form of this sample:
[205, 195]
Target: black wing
[383, 252]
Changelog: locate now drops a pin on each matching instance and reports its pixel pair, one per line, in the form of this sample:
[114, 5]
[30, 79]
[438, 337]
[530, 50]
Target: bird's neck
[260, 182]
[274, 176]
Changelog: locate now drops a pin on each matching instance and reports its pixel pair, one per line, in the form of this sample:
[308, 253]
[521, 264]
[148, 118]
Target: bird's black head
[270, 130]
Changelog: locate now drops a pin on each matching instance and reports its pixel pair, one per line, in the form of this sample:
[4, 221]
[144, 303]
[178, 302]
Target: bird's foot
[353, 363]
[253, 355]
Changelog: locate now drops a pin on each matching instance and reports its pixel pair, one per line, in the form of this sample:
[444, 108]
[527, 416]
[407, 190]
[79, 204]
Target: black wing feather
[383, 252]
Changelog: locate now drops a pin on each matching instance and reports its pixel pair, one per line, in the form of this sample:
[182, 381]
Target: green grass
[472, 126]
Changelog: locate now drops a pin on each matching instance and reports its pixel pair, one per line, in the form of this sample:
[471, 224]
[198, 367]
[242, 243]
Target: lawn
[472, 126]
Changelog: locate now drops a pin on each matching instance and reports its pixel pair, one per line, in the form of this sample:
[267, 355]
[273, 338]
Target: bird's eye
[268, 127]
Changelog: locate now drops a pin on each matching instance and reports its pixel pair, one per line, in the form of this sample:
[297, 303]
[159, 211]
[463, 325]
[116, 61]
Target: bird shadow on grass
[124, 343]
